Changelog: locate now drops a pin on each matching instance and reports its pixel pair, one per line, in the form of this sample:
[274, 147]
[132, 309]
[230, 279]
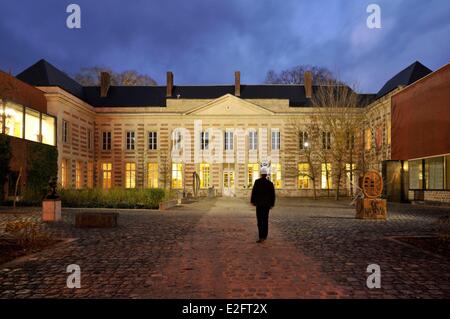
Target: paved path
[316, 249]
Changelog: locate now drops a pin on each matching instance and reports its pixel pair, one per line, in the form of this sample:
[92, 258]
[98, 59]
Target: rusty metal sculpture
[370, 205]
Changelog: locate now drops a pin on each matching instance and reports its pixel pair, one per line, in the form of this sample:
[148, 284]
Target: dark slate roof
[43, 73]
[126, 96]
[405, 77]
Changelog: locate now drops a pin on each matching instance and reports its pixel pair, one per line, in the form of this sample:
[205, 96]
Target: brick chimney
[105, 83]
[237, 83]
[169, 85]
[308, 84]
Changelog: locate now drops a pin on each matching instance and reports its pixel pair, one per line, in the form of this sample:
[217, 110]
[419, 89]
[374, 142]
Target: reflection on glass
[48, 129]
[14, 120]
[31, 125]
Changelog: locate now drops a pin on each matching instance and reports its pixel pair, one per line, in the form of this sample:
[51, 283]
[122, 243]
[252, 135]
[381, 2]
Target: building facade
[198, 139]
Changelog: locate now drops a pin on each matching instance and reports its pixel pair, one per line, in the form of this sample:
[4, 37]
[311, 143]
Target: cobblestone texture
[316, 249]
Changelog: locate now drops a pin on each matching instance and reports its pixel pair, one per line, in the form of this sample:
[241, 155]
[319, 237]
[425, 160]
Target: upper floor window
[204, 140]
[228, 140]
[89, 139]
[65, 131]
[326, 140]
[350, 141]
[368, 139]
[303, 140]
[130, 140]
[177, 139]
[32, 125]
[106, 141]
[152, 140]
[275, 139]
[48, 129]
[13, 120]
[252, 140]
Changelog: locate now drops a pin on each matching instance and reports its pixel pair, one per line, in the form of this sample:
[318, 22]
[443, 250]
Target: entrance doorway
[228, 183]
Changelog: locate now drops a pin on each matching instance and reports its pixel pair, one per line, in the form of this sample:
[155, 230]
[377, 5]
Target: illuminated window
[368, 139]
[228, 140]
[48, 129]
[204, 176]
[303, 140]
[253, 174]
[64, 175]
[177, 175]
[78, 174]
[275, 139]
[252, 140]
[204, 140]
[130, 175]
[275, 174]
[14, 120]
[326, 140]
[32, 127]
[106, 175]
[326, 176]
[152, 175]
[65, 131]
[90, 174]
[303, 175]
[106, 141]
[388, 129]
[152, 140]
[130, 140]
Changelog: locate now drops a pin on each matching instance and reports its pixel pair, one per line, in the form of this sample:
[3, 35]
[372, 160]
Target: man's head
[263, 171]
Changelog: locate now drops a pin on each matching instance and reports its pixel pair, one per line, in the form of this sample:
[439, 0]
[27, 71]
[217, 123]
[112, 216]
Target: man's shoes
[261, 240]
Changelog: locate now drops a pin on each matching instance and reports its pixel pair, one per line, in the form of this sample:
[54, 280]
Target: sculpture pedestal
[51, 210]
[371, 208]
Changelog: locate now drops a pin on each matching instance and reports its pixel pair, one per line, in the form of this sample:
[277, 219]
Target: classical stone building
[202, 138]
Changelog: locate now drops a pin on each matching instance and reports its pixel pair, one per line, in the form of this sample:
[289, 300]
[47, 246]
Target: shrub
[27, 233]
[112, 198]
[5, 157]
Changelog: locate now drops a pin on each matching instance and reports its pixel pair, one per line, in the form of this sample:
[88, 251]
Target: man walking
[263, 197]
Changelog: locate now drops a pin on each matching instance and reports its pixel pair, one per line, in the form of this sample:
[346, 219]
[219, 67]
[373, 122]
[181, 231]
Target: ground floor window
[152, 175]
[177, 175]
[204, 176]
[106, 175]
[253, 174]
[303, 176]
[130, 175]
[90, 174]
[351, 175]
[78, 174]
[429, 173]
[64, 183]
[326, 182]
[275, 174]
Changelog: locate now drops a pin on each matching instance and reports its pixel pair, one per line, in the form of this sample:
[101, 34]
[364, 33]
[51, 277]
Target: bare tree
[306, 132]
[340, 117]
[91, 77]
[295, 75]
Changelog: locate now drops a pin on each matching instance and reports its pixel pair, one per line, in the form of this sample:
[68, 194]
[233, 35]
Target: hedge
[112, 198]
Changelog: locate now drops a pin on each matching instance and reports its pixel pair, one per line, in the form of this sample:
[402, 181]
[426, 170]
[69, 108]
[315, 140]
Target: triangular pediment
[229, 105]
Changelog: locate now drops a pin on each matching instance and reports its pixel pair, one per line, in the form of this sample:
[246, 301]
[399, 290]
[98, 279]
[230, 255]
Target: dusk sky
[205, 41]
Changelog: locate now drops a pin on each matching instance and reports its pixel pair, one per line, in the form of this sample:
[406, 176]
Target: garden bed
[11, 249]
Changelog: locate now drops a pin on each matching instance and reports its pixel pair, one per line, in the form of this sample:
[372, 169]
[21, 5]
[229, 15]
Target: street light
[306, 144]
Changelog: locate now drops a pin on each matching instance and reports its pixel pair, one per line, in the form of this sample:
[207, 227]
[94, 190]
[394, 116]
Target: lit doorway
[228, 183]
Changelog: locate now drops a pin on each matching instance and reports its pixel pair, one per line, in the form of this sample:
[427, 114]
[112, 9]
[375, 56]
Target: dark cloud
[205, 41]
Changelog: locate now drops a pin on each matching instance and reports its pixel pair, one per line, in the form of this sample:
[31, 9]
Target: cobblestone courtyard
[207, 249]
